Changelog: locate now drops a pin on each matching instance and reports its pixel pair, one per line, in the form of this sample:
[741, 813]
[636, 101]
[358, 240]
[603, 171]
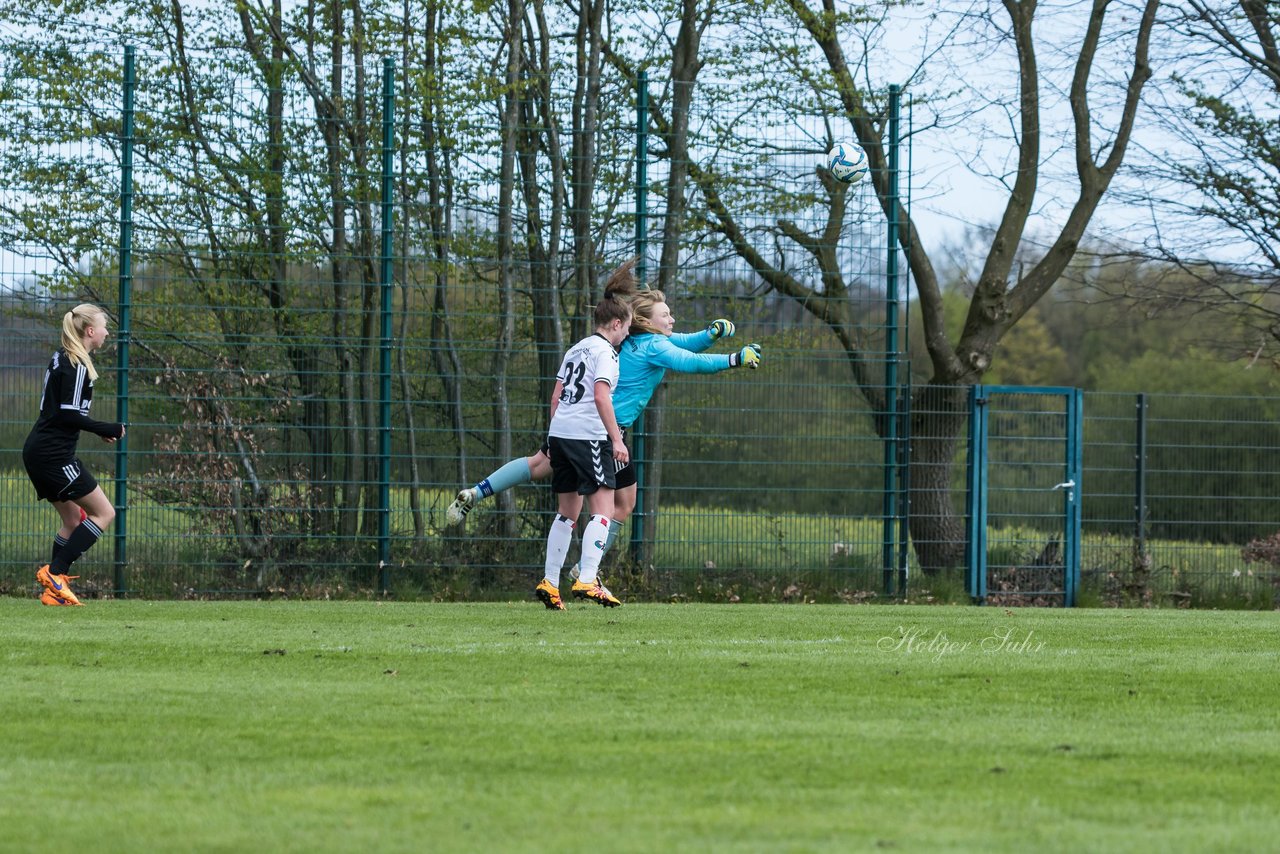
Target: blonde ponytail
[73, 326]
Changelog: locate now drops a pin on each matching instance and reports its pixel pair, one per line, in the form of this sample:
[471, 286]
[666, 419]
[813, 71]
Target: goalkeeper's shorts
[626, 475]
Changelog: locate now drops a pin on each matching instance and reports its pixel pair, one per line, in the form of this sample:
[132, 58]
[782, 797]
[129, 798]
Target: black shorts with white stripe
[59, 481]
[626, 473]
[581, 465]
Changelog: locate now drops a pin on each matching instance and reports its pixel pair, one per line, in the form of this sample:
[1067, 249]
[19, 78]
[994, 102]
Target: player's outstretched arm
[697, 342]
[665, 353]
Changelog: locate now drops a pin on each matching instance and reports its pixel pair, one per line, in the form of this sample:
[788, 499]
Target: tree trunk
[402, 367]
[586, 102]
[938, 416]
[684, 70]
[348, 509]
[544, 284]
[505, 344]
[444, 353]
[367, 231]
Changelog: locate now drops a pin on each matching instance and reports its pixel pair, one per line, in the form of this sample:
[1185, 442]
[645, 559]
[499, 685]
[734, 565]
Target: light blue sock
[512, 474]
[614, 527]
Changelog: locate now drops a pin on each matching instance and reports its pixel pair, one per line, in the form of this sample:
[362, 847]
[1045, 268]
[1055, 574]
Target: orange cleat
[550, 595]
[58, 585]
[596, 592]
[48, 597]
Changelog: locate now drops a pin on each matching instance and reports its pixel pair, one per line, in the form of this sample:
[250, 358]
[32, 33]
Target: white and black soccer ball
[847, 162]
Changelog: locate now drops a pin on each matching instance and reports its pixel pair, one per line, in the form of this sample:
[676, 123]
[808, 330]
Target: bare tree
[439, 180]
[1003, 294]
[1211, 178]
[407, 105]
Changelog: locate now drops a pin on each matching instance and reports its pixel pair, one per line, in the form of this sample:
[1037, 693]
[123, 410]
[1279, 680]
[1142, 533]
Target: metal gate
[1024, 494]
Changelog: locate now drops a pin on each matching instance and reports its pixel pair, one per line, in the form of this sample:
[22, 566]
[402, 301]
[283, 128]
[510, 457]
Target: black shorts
[59, 481]
[581, 465]
[626, 475]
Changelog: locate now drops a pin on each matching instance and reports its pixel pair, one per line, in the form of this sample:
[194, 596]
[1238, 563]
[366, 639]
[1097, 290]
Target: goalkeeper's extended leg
[511, 474]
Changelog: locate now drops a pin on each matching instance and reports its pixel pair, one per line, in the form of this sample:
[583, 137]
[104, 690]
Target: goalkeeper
[646, 355]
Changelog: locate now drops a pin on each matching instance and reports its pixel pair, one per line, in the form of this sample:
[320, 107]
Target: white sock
[558, 540]
[614, 527]
[593, 539]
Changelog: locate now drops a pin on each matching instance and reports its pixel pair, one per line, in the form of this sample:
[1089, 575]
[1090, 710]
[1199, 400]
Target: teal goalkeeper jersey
[644, 360]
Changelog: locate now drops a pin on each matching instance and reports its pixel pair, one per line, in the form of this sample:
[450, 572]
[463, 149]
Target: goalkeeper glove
[748, 355]
[721, 328]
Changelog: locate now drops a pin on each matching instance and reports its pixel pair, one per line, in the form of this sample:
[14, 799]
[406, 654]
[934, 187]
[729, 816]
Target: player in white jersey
[586, 450]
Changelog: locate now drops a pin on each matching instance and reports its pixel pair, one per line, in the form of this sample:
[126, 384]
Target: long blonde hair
[642, 306]
[74, 323]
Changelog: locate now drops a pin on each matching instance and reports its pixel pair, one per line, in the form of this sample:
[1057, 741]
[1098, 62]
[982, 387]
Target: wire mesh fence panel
[42, 234]
[281, 440]
[752, 483]
[342, 297]
[1177, 488]
[249, 276]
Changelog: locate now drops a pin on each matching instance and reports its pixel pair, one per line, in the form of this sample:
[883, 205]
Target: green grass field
[359, 726]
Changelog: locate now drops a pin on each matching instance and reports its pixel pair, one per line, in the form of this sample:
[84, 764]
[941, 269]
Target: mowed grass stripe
[310, 726]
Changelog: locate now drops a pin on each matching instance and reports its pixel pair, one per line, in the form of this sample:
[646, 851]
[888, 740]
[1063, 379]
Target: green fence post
[891, 350]
[642, 244]
[642, 174]
[904, 481]
[976, 497]
[1074, 497]
[386, 273]
[124, 322]
[1140, 480]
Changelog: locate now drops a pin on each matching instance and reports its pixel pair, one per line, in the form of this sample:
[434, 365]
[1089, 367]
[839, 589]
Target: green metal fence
[1176, 486]
[327, 322]
[330, 317]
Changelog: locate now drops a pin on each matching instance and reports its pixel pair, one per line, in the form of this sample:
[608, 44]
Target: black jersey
[64, 411]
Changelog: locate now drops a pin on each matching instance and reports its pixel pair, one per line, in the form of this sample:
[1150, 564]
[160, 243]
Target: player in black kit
[50, 450]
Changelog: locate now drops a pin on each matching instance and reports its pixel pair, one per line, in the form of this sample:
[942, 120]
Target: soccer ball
[848, 162]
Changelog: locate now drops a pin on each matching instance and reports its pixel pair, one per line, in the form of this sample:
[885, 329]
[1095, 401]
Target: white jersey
[588, 362]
